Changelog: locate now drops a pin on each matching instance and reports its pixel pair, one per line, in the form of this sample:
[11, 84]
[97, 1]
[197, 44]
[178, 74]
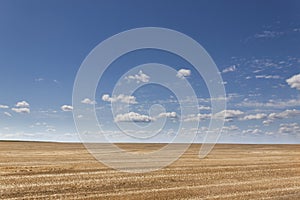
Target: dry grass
[31, 170]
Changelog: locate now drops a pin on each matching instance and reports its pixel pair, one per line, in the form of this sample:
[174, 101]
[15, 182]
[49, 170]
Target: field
[33, 170]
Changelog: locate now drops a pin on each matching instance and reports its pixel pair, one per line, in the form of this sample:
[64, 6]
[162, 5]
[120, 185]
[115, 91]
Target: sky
[254, 44]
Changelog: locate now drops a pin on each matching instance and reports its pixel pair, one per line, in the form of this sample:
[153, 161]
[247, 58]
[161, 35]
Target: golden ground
[33, 170]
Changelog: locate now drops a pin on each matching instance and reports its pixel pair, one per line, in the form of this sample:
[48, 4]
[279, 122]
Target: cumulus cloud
[22, 104]
[88, 101]
[294, 81]
[292, 128]
[255, 117]
[140, 77]
[168, 114]
[267, 122]
[7, 114]
[198, 117]
[120, 98]
[21, 110]
[231, 68]
[281, 115]
[21, 107]
[4, 106]
[204, 108]
[284, 114]
[133, 117]
[229, 115]
[66, 108]
[183, 73]
[230, 128]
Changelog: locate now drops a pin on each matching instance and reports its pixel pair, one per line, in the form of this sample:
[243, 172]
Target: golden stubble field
[33, 170]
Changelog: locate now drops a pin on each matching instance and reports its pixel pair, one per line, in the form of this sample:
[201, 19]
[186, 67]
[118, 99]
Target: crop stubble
[38, 170]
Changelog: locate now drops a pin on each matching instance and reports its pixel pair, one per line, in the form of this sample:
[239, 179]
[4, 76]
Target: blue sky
[255, 45]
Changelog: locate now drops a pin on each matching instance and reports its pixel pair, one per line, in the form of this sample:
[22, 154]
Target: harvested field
[36, 170]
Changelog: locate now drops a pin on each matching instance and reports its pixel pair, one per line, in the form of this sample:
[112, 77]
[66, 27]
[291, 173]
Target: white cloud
[281, 115]
[268, 34]
[168, 114]
[294, 81]
[229, 114]
[258, 70]
[230, 128]
[268, 76]
[252, 131]
[183, 73]
[267, 122]
[4, 106]
[7, 114]
[21, 110]
[120, 98]
[285, 114]
[140, 77]
[133, 117]
[269, 133]
[292, 128]
[106, 97]
[198, 117]
[271, 103]
[21, 107]
[231, 68]
[51, 130]
[204, 108]
[66, 108]
[22, 104]
[88, 101]
[255, 117]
